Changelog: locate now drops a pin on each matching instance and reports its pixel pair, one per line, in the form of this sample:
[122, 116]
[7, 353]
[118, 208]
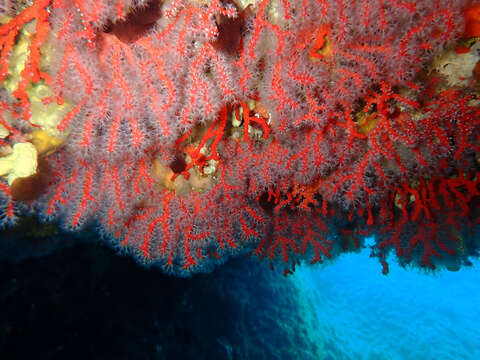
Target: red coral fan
[288, 130]
[133, 89]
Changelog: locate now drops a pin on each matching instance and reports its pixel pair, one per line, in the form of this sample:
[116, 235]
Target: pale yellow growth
[17, 57]
[47, 116]
[275, 12]
[163, 175]
[5, 19]
[196, 181]
[5, 150]
[211, 167]
[44, 143]
[243, 4]
[365, 122]
[22, 162]
[458, 68]
[233, 118]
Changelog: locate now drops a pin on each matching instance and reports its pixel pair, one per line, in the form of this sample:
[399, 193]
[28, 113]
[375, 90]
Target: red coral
[288, 130]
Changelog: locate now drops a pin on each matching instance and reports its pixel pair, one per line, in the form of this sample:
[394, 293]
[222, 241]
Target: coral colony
[189, 131]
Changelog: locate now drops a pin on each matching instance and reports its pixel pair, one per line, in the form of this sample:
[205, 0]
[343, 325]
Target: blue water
[361, 314]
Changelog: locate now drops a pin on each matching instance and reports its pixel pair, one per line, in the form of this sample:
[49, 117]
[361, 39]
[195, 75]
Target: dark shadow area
[84, 302]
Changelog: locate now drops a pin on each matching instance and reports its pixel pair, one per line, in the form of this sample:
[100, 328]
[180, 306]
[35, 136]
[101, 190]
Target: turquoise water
[362, 314]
